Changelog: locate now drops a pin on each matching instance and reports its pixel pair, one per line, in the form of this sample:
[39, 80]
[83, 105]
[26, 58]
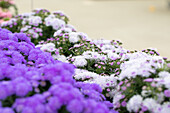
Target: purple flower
[75, 106]
[123, 103]
[54, 103]
[148, 80]
[167, 93]
[24, 48]
[6, 110]
[4, 34]
[3, 93]
[22, 37]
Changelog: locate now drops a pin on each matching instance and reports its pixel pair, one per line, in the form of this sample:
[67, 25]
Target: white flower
[165, 108]
[50, 47]
[51, 16]
[134, 103]
[38, 29]
[84, 36]
[35, 20]
[24, 29]
[74, 37]
[151, 104]
[27, 14]
[139, 64]
[35, 35]
[83, 74]
[4, 24]
[60, 58]
[103, 57]
[91, 55]
[112, 55]
[57, 23]
[24, 21]
[31, 31]
[48, 21]
[125, 57]
[66, 30]
[160, 97]
[166, 82]
[80, 61]
[104, 81]
[164, 74]
[116, 98]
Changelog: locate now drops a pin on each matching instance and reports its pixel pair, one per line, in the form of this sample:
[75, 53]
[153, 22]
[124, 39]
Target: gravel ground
[139, 24]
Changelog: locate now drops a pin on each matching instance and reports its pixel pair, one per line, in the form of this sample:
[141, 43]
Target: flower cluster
[122, 74]
[132, 81]
[143, 85]
[32, 81]
[39, 24]
[18, 49]
[5, 14]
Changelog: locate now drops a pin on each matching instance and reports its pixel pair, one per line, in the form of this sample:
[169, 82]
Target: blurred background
[139, 24]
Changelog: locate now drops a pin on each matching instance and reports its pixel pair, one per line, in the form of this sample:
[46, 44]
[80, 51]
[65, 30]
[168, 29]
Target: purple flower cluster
[62, 94]
[17, 49]
[31, 81]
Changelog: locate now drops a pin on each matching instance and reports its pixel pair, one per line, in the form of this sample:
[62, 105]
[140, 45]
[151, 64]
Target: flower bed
[32, 81]
[133, 81]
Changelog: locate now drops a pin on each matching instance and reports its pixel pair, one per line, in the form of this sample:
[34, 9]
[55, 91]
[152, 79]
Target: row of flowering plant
[31, 81]
[143, 85]
[133, 81]
[39, 24]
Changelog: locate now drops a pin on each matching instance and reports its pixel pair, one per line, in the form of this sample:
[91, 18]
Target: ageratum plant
[32, 81]
[135, 78]
[96, 61]
[143, 85]
[67, 44]
[38, 25]
[133, 81]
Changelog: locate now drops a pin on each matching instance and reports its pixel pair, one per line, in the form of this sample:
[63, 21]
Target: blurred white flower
[50, 47]
[60, 58]
[165, 108]
[35, 20]
[134, 103]
[164, 74]
[73, 37]
[79, 61]
[151, 104]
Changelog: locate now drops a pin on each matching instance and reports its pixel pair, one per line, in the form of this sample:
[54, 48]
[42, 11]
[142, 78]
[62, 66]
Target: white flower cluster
[164, 79]
[140, 64]
[148, 104]
[56, 23]
[74, 37]
[10, 22]
[64, 29]
[50, 47]
[79, 61]
[109, 46]
[94, 55]
[35, 20]
[36, 24]
[134, 103]
[91, 77]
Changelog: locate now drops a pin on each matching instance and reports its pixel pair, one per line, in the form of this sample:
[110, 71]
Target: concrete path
[139, 24]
